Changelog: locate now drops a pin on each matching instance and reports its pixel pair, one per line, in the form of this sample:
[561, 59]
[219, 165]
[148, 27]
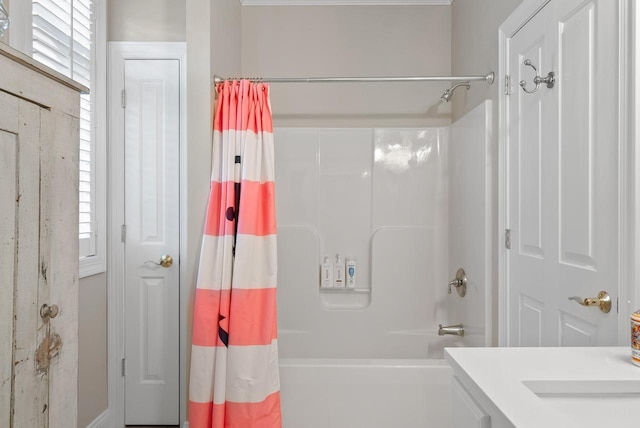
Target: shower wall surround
[379, 195]
[471, 203]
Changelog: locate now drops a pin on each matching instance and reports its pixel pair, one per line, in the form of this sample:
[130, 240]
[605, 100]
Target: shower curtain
[234, 380]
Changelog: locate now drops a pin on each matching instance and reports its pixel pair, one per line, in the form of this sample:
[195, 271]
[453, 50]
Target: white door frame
[628, 188]
[118, 53]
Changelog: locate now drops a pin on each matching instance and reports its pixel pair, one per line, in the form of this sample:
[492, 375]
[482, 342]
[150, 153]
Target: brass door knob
[166, 261]
[603, 301]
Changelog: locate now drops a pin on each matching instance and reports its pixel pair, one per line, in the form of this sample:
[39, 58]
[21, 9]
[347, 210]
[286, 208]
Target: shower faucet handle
[456, 283]
[459, 282]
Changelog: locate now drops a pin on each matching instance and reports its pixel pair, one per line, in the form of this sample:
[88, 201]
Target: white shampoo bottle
[338, 273]
[326, 274]
[350, 272]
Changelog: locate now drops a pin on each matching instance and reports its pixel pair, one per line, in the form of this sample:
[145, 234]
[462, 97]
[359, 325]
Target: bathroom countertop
[586, 387]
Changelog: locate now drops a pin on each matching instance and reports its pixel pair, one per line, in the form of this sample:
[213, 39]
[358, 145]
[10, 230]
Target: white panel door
[152, 220]
[563, 202]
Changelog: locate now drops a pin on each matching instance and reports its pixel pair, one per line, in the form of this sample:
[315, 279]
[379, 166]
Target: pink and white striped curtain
[234, 359]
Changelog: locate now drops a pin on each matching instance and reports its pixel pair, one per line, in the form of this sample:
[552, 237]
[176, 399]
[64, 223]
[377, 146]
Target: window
[68, 36]
[62, 39]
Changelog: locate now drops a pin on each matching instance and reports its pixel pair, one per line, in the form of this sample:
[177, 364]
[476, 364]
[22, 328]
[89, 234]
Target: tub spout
[456, 330]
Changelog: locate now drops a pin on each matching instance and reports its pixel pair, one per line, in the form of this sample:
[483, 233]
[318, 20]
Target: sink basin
[583, 388]
[590, 402]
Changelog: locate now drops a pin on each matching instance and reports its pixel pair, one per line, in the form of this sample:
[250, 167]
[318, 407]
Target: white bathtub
[359, 393]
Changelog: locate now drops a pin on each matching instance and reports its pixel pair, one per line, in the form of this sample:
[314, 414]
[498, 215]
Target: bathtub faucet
[456, 330]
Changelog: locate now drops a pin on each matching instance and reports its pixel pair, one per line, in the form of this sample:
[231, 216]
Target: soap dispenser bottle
[338, 273]
[350, 272]
[326, 274]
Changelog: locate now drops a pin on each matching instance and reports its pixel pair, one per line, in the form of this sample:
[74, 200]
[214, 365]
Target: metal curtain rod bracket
[489, 78]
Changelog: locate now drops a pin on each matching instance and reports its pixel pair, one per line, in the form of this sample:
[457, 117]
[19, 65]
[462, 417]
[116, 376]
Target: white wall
[92, 348]
[350, 41]
[226, 35]
[474, 47]
[470, 238]
[146, 20]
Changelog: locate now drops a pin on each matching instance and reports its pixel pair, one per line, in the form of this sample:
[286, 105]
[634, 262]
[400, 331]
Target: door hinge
[617, 305]
[123, 233]
[507, 239]
[124, 367]
[507, 84]
[123, 100]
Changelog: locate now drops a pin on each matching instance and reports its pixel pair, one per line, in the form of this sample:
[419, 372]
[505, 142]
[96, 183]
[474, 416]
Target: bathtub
[363, 393]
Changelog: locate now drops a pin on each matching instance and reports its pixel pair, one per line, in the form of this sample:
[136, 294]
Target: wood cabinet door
[38, 265]
[8, 246]
[29, 378]
[59, 255]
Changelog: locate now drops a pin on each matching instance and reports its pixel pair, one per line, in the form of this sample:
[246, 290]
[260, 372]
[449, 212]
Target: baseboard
[101, 421]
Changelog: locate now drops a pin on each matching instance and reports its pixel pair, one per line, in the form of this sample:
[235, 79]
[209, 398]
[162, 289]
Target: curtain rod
[489, 78]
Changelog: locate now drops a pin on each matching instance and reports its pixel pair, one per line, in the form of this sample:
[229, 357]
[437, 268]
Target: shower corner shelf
[356, 290]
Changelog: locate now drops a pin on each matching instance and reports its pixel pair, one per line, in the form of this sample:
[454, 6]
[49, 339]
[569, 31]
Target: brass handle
[47, 311]
[603, 301]
[165, 261]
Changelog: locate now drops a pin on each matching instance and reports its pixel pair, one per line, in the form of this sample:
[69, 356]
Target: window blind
[63, 39]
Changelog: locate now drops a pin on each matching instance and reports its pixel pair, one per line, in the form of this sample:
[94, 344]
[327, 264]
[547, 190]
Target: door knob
[603, 300]
[47, 311]
[165, 261]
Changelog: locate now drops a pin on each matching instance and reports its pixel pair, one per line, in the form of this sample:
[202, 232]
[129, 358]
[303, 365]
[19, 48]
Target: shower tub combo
[370, 357]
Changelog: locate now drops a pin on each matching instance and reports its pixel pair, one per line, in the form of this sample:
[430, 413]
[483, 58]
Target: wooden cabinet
[39, 112]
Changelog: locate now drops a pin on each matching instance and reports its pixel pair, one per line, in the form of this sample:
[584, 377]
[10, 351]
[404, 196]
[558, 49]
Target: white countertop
[585, 387]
